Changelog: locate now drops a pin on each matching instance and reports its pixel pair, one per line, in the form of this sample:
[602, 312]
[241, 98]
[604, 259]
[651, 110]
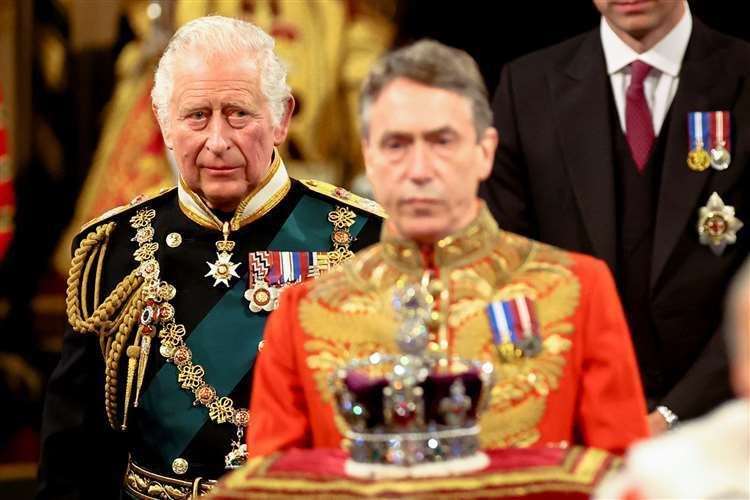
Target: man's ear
[282, 129]
[165, 133]
[487, 146]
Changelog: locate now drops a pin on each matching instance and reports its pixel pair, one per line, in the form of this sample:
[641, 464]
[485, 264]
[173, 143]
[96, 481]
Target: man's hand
[656, 423]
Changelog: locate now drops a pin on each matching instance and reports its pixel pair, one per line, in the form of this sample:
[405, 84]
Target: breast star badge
[223, 269]
[717, 224]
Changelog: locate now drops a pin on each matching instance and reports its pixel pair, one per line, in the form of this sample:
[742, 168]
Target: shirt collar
[666, 56]
[471, 243]
[274, 186]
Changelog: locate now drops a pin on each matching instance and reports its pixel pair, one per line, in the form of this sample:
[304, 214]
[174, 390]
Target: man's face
[638, 17]
[220, 128]
[423, 159]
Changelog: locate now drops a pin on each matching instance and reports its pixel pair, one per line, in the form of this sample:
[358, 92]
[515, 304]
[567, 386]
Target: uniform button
[174, 240]
[180, 466]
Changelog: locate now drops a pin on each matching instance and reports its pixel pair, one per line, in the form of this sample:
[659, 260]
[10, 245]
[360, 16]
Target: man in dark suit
[594, 141]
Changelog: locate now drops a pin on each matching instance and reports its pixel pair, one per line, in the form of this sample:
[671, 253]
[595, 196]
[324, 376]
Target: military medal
[261, 297]
[717, 224]
[720, 133]
[258, 293]
[698, 158]
[272, 270]
[223, 269]
[515, 328]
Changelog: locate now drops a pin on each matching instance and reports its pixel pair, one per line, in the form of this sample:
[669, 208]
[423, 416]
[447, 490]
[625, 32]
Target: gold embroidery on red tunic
[348, 314]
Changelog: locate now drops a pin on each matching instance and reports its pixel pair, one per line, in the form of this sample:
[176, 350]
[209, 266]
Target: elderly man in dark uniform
[167, 297]
[631, 143]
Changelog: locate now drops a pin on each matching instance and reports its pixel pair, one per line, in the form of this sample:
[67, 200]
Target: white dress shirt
[665, 58]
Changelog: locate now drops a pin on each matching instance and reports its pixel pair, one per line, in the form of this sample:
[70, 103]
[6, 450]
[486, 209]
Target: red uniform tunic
[583, 387]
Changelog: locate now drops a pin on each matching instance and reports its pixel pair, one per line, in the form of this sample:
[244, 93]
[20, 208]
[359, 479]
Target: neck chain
[158, 311]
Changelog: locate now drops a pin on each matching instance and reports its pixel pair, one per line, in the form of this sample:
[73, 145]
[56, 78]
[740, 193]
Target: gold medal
[509, 352]
[698, 159]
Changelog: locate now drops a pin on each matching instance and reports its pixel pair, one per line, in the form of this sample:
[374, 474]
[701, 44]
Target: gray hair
[222, 35]
[737, 310]
[433, 64]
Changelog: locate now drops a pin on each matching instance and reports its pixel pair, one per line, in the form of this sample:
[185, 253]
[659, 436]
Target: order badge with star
[717, 224]
[223, 269]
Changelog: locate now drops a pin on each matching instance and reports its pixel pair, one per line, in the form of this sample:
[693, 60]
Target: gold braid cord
[114, 318]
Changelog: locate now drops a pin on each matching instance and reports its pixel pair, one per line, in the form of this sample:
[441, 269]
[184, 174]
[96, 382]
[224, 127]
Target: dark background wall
[495, 32]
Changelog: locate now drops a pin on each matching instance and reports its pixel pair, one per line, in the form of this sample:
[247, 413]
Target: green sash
[226, 341]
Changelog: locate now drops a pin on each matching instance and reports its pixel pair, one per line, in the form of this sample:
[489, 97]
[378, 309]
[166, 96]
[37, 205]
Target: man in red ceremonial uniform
[549, 320]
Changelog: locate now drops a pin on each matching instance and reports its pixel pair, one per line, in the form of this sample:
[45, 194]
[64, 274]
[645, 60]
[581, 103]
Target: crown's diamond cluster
[410, 409]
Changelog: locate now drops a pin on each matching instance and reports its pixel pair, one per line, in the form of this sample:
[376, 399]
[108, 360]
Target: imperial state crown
[410, 414]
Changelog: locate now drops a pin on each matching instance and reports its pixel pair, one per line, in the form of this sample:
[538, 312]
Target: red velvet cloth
[330, 463]
[528, 473]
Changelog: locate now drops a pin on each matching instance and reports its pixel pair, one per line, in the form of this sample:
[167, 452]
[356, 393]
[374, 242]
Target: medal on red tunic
[720, 133]
[698, 158]
[515, 328]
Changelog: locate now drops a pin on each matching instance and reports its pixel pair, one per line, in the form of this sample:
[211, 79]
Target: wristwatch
[669, 417]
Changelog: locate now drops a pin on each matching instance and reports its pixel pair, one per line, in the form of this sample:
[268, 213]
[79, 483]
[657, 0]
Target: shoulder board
[138, 200]
[342, 195]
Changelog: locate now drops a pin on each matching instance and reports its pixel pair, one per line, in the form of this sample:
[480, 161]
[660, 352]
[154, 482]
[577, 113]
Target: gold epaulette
[342, 195]
[138, 200]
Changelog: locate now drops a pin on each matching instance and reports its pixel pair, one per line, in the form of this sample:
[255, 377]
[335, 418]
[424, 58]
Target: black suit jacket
[554, 180]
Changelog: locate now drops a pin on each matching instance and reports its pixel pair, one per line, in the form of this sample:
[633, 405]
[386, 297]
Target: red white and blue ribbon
[279, 268]
[698, 129]
[288, 267]
[514, 322]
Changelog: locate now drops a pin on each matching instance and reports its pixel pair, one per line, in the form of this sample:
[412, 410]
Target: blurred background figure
[710, 457]
[596, 157]
[7, 198]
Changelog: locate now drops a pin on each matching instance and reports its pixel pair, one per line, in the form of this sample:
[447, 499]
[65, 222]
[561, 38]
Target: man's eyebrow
[447, 129]
[190, 108]
[395, 134]
[236, 104]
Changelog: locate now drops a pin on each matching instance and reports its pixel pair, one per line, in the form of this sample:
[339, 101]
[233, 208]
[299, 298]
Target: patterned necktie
[639, 129]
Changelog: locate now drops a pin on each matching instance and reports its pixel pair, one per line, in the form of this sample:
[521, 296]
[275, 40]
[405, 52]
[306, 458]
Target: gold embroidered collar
[271, 190]
[471, 243]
